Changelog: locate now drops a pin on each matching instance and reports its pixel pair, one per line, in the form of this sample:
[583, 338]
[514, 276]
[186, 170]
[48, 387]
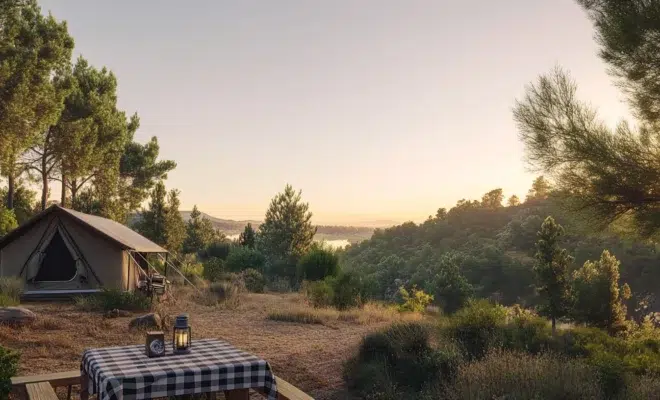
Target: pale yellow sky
[377, 109]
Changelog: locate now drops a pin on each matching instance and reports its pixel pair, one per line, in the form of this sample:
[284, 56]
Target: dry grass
[370, 314]
[309, 356]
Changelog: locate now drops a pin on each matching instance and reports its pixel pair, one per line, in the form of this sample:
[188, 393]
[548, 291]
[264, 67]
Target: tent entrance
[58, 263]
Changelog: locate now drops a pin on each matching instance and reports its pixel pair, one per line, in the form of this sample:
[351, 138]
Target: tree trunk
[74, 192]
[63, 200]
[44, 182]
[554, 326]
[10, 191]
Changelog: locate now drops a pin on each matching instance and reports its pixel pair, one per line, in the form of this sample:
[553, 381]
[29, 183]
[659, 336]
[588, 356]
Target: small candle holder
[182, 336]
[155, 345]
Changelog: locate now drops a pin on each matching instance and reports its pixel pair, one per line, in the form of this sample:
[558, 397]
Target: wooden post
[237, 394]
[166, 264]
[84, 386]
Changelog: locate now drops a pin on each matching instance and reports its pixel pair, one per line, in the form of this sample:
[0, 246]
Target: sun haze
[378, 110]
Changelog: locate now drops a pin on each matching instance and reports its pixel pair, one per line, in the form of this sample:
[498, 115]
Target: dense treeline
[59, 121]
[484, 249]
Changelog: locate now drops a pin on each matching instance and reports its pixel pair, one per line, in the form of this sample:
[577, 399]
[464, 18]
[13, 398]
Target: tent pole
[166, 255]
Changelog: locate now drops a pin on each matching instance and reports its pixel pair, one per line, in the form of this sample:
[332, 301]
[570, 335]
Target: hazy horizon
[377, 110]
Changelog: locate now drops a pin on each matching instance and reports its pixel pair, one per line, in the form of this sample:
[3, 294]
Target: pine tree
[598, 297]
[175, 227]
[552, 271]
[152, 223]
[513, 201]
[200, 233]
[247, 237]
[287, 231]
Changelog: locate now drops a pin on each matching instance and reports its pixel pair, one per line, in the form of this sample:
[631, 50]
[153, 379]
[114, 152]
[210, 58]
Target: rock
[16, 316]
[149, 321]
[117, 313]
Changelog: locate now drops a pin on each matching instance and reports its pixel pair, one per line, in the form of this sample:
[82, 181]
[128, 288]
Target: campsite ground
[309, 356]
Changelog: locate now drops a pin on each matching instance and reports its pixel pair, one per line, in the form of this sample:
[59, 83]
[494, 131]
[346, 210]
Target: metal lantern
[182, 335]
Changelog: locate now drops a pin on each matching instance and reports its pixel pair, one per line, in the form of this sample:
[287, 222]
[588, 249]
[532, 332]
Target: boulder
[16, 316]
[149, 321]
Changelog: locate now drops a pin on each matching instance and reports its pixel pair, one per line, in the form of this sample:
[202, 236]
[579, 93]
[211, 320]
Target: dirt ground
[308, 356]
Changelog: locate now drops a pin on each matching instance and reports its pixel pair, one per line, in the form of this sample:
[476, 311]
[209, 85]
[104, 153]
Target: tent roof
[118, 233]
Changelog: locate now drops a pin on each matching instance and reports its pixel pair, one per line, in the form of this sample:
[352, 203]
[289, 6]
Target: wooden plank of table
[237, 394]
[58, 379]
[40, 391]
[286, 391]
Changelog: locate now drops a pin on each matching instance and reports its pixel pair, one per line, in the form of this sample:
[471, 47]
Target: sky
[378, 110]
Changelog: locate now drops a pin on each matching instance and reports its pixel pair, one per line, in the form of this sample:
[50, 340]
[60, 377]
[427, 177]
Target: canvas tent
[65, 251]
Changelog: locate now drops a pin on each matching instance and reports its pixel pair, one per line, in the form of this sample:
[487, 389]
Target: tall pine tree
[552, 271]
[247, 237]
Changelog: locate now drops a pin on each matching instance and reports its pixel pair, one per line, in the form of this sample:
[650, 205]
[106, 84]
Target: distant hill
[231, 227]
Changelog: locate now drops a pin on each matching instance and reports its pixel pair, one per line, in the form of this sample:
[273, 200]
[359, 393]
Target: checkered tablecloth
[123, 373]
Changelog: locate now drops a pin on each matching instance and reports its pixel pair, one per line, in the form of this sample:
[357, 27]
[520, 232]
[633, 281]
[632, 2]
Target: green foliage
[193, 271]
[399, 363]
[540, 190]
[111, 299]
[414, 300]
[477, 328]
[317, 264]
[287, 231]
[11, 289]
[513, 201]
[214, 269]
[347, 289]
[242, 257]
[199, 233]
[216, 249]
[552, 271]
[161, 222]
[492, 199]
[254, 280]
[451, 288]
[248, 237]
[227, 293]
[599, 301]
[278, 285]
[320, 293]
[23, 202]
[7, 221]
[8, 369]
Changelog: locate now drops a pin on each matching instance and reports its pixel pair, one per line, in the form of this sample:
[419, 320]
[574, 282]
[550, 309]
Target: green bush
[477, 328]
[217, 249]
[347, 290]
[521, 376]
[241, 258]
[414, 300]
[214, 269]
[11, 287]
[400, 363]
[193, 271]
[227, 293]
[254, 280]
[8, 368]
[111, 299]
[319, 294]
[318, 264]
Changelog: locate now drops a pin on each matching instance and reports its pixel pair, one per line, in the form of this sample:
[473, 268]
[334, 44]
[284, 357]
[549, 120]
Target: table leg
[237, 394]
[84, 387]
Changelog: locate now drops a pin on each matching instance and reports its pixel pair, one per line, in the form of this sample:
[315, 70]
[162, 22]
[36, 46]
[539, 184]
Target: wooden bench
[20, 384]
[40, 391]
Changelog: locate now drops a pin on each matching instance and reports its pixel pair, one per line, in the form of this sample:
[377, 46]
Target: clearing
[310, 356]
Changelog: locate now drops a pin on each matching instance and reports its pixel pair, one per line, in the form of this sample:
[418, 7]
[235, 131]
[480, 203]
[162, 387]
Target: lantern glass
[181, 341]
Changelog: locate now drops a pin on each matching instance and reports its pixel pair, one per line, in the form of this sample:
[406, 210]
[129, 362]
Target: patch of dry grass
[305, 315]
[370, 313]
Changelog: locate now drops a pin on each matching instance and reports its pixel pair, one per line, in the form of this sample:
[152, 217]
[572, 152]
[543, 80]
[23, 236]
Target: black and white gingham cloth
[123, 373]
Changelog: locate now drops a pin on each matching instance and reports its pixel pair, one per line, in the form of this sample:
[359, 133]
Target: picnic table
[126, 373]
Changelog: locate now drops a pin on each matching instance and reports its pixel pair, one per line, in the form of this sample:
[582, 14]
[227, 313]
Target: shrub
[477, 328]
[318, 264]
[514, 375]
[402, 355]
[241, 258]
[227, 293]
[11, 287]
[214, 269]
[6, 301]
[319, 294]
[112, 299]
[217, 249]
[254, 280]
[279, 285]
[414, 300]
[193, 271]
[347, 290]
[8, 368]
